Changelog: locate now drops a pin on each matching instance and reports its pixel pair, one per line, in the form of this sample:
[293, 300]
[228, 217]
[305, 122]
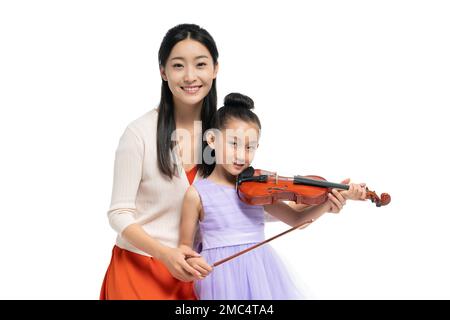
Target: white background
[353, 89]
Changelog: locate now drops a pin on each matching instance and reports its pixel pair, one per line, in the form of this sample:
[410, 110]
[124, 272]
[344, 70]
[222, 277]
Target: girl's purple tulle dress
[229, 226]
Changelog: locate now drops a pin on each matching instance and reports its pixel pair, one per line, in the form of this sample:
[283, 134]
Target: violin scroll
[383, 200]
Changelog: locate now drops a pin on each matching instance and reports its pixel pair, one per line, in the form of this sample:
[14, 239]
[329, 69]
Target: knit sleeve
[127, 177]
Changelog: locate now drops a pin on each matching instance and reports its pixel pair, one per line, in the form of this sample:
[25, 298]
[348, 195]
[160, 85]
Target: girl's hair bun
[238, 100]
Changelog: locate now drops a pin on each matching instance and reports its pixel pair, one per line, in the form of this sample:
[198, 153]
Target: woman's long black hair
[166, 121]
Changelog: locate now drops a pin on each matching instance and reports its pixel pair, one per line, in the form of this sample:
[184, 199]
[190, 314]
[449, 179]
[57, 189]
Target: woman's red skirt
[131, 276]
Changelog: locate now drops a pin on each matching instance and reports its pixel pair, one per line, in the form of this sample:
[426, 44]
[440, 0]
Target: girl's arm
[191, 213]
[294, 214]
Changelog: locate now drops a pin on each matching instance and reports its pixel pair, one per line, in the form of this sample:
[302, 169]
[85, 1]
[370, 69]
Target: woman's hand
[200, 265]
[175, 261]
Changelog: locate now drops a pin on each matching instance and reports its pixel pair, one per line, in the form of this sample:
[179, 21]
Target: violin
[259, 187]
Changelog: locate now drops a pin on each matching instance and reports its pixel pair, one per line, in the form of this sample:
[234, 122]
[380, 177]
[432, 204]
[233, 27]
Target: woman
[150, 179]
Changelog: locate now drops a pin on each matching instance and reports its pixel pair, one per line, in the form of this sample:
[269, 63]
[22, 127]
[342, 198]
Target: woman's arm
[127, 177]
[140, 239]
[173, 258]
[121, 214]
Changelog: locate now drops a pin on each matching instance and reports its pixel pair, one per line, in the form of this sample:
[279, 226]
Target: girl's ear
[162, 71]
[211, 139]
[216, 69]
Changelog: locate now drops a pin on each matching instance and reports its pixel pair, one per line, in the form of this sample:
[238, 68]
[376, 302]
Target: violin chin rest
[247, 173]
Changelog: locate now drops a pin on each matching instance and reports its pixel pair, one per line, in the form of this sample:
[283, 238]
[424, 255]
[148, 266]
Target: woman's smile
[191, 89]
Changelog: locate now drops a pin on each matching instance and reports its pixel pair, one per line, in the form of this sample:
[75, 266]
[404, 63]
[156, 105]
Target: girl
[150, 180]
[227, 225]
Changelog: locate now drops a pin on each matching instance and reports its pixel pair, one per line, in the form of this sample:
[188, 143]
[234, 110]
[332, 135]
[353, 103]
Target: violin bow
[215, 264]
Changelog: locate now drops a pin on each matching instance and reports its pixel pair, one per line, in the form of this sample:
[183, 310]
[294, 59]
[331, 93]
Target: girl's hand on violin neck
[336, 201]
[357, 191]
[175, 261]
[337, 198]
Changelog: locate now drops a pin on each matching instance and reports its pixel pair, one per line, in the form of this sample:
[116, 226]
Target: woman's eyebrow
[181, 58]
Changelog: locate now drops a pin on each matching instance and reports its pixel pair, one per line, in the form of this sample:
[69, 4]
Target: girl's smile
[239, 167]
